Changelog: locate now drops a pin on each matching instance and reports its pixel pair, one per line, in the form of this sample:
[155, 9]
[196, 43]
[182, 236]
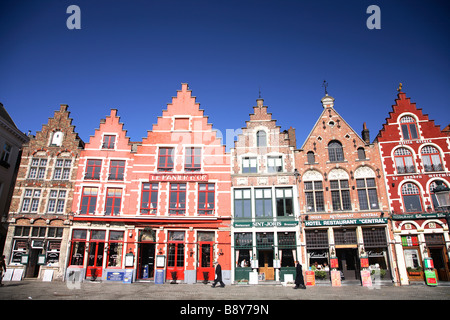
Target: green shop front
[267, 248]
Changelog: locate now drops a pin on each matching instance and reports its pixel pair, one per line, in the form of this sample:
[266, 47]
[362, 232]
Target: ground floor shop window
[413, 258]
[115, 249]
[78, 247]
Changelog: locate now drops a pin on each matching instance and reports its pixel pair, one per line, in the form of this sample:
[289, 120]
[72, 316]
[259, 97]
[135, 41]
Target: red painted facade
[416, 155]
[159, 206]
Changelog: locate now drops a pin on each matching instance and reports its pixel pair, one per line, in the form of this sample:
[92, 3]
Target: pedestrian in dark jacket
[218, 275]
[2, 267]
[299, 282]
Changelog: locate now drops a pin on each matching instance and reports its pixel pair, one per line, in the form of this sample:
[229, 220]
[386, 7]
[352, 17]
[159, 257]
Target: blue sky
[133, 55]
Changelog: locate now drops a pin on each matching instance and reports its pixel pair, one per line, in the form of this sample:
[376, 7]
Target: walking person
[2, 267]
[218, 275]
[299, 282]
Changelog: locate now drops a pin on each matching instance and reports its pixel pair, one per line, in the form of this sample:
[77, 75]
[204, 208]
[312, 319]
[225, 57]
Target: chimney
[259, 102]
[292, 139]
[365, 134]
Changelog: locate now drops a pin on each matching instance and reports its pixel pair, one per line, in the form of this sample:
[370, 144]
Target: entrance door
[348, 263]
[95, 259]
[265, 262]
[146, 265]
[175, 261]
[205, 261]
[33, 267]
[440, 263]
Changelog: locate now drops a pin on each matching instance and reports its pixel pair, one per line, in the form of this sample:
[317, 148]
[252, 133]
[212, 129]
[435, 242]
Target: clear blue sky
[133, 55]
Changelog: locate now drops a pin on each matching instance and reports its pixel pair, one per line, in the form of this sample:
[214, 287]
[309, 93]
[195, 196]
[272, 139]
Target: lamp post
[442, 193]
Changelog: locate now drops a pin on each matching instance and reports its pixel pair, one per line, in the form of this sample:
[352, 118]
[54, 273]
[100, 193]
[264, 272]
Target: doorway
[95, 260]
[205, 270]
[146, 262]
[265, 262]
[440, 262]
[33, 266]
[348, 263]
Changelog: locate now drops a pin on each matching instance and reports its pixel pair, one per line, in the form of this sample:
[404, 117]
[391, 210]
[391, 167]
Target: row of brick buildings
[164, 208]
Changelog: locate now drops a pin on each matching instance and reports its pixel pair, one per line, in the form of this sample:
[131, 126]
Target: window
[431, 159]
[404, 161]
[367, 194]
[409, 128]
[37, 169]
[165, 159]
[284, 202]
[274, 164]
[5, 153]
[31, 199]
[340, 195]
[78, 247]
[93, 169]
[175, 258]
[57, 139]
[177, 203]
[314, 196]
[249, 165]
[88, 200]
[149, 198]
[116, 169]
[335, 151]
[56, 201]
[242, 203]
[361, 154]
[115, 249]
[206, 198]
[54, 245]
[263, 203]
[62, 169]
[261, 140]
[411, 198]
[311, 158]
[109, 142]
[113, 201]
[193, 160]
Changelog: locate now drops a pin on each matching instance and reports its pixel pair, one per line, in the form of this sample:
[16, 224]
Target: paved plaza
[56, 290]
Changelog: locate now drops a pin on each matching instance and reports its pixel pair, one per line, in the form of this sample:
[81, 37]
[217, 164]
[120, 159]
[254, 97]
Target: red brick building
[41, 207]
[416, 155]
[343, 201]
[159, 207]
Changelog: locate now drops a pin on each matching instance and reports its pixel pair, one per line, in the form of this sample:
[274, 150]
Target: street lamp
[442, 193]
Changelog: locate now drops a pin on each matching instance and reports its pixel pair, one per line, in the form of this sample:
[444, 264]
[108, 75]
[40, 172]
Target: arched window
[404, 161]
[335, 151]
[313, 181]
[409, 128]
[311, 157]
[431, 159]
[261, 140]
[361, 154]
[411, 198]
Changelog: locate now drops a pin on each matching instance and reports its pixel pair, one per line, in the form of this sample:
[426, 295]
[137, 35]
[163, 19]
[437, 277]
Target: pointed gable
[110, 135]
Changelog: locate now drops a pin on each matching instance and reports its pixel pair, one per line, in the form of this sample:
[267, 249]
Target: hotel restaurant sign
[344, 222]
[178, 177]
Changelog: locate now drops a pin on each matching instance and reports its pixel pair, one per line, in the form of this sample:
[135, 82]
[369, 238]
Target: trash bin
[159, 276]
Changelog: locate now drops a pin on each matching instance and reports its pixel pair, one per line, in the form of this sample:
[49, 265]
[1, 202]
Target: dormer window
[57, 139]
[409, 128]
[261, 139]
[108, 142]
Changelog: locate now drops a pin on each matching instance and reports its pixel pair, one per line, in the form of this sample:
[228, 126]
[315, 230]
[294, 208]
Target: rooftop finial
[259, 97]
[325, 85]
[400, 87]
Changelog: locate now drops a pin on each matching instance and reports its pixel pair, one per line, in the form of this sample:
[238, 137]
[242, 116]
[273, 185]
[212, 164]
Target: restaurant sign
[417, 216]
[265, 224]
[345, 222]
[179, 177]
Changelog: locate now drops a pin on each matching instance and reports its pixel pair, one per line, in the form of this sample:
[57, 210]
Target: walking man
[218, 275]
[2, 267]
[299, 282]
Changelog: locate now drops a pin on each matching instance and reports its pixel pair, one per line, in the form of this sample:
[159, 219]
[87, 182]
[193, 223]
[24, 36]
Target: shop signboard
[264, 224]
[344, 222]
[335, 278]
[186, 177]
[430, 277]
[310, 278]
[366, 279]
[364, 262]
[334, 263]
[115, 276]
[159, 276]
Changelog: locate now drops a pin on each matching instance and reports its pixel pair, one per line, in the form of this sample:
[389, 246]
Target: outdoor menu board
[335, 278]
[365, 278]
[310, 278]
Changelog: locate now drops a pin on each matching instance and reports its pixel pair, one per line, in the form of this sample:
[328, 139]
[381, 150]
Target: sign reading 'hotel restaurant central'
[179, 177]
